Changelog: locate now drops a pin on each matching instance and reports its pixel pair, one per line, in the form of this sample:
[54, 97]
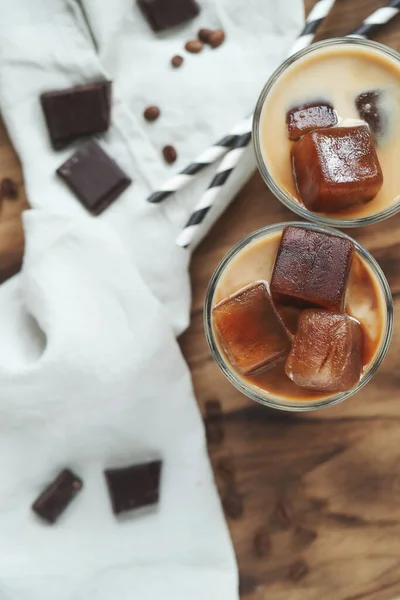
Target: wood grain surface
[312, 500]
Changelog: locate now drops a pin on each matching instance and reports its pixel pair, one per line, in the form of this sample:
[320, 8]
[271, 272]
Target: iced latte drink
[327, 132]
[298, 316]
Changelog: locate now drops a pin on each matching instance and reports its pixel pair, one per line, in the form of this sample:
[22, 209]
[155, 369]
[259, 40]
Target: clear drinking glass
[280, 193]
[256, 393]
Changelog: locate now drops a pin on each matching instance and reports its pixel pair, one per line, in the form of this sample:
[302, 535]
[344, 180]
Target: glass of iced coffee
[326, 132]
[298, 316]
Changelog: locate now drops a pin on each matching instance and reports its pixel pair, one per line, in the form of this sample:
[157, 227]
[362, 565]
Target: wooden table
[318, 494]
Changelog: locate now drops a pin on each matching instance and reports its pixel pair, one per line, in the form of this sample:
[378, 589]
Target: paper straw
[224, 171]
[206, 158]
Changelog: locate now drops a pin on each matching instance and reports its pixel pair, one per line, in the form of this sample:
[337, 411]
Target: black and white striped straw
[206, 158]
[224, 171]
[313, 21]
[232, 158]
[377, 19]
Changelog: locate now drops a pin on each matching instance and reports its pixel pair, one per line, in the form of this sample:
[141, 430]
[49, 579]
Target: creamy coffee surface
[337, 75]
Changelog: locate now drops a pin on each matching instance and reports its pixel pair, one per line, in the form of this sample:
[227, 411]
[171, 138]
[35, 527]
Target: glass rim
[269, 399]
[278, 192]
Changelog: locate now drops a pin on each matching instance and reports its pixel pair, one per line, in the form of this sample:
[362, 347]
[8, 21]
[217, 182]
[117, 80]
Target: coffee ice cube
[308, 117]
[336, 168]
[311, 269]
[326, 354]
[250, 330]
[370, 107]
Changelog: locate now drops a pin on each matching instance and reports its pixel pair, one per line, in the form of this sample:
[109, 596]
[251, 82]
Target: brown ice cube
[250, 330]
[308, 117]
[336, 168]
[370, 108]
[311, 269]
[326, 352]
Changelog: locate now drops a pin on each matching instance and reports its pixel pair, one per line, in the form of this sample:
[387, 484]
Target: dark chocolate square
[77, 111]
[55, 498]
[163, 14]
[134, 487]
[94, 177]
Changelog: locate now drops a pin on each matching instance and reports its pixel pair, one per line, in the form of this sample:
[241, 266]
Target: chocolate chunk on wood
[94, 177]
[163, 14]
[77, 111]
[57, 496]
[134, 487]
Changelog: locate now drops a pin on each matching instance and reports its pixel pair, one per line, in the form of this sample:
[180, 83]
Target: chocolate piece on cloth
[94, 177]
[56, 497]
[163, 14]
[77, 111]
[134, 487]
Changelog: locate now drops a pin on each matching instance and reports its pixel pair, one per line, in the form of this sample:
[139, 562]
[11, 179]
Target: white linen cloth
[90, 373]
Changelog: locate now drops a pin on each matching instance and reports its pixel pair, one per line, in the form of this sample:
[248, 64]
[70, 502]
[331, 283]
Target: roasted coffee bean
[176, 61]
[262, 543]
[233, 506]
[8, 188]
[151, 113]
[170, 154]
[194, 46]
[216, 38]
[204, 35]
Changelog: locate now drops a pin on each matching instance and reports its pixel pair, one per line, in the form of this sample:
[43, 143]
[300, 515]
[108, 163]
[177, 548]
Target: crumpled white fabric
[90, 373]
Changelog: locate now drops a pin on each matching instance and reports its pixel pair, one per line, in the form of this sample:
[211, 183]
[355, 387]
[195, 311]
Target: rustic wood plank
[319, 492]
